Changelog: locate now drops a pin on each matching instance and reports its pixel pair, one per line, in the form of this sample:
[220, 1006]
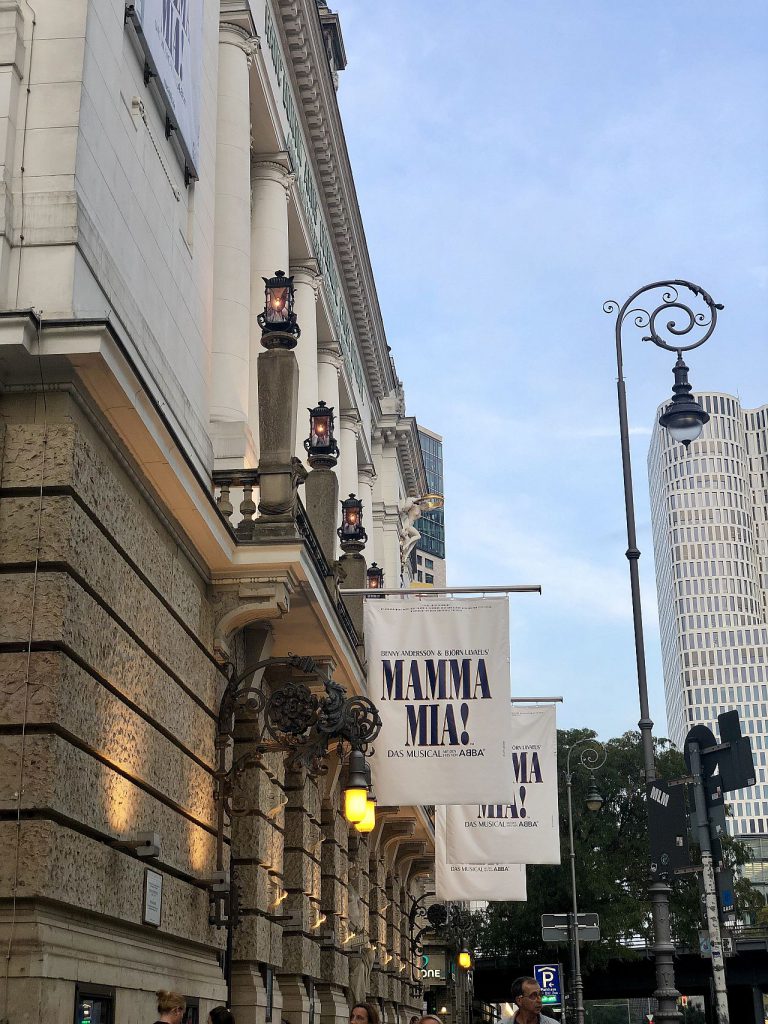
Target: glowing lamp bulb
[465, 959]
[355, 801]
[368, 821]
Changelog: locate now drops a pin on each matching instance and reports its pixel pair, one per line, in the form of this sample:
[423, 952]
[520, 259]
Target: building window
[429, 578]
[420, 577]
[94, 1004]
[192, 1012]
[428, 563]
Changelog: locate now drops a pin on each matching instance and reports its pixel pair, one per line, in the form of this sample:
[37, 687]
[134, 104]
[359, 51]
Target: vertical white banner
[438, 672]
[474, 881]
[524, 829]
[171, 34]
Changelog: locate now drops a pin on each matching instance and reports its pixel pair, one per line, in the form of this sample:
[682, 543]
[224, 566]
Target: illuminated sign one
[433, 969]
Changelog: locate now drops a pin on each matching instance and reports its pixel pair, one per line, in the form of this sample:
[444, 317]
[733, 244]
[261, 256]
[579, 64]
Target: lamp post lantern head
[465, 958]
[351, 532]
[321, 447]
[594, 799]
[374, 577]
[684, 418]
[279, 328]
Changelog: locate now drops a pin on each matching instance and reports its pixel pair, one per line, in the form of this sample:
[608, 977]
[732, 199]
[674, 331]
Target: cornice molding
[325, 136]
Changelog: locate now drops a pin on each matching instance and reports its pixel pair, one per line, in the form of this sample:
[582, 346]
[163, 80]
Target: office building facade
[429, 563]
[709, 509]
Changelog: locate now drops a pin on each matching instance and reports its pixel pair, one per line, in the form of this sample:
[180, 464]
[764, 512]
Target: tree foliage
[612, 857]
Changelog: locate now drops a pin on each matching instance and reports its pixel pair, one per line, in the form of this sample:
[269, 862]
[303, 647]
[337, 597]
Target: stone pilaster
[336, 935]
[332, 1004]
[321, 499]
[353, 567]
[377, 905]
[303, 839]
[279, 471]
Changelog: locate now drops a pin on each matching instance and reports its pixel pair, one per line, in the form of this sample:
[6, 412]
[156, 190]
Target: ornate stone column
[386, 522]
[232, 252]
[270, 190]
[365, 477]
[328, 370]
[306, 281]
[349, 424]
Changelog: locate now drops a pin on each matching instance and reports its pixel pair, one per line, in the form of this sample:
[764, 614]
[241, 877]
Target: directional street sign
[556, 927]
[548, 977]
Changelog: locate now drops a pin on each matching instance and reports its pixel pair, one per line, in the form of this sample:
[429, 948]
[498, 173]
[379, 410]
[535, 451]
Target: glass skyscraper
[709, 509]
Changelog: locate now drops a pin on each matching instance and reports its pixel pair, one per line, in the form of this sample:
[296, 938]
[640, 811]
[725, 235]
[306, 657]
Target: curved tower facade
[709, 510]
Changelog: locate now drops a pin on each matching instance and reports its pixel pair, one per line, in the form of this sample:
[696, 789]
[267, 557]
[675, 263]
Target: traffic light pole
[710, 889]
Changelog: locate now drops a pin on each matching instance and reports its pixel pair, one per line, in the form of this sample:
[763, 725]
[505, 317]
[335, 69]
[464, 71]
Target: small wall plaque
[153, 897]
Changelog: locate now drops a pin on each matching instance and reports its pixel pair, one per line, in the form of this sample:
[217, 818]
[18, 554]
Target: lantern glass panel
[277, 304]
[321, 429]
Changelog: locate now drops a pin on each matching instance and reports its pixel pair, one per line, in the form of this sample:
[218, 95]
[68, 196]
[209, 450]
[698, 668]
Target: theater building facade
[162, 530]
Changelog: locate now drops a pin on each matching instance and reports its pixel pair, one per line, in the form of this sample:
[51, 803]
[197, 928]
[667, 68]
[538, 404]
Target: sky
[517, 164]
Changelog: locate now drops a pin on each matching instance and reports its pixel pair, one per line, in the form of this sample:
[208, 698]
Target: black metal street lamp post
[591, 756]
[692, 317]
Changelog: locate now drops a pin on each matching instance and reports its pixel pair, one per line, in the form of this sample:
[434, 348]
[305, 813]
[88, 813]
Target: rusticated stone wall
[108, 697]
[107, 690]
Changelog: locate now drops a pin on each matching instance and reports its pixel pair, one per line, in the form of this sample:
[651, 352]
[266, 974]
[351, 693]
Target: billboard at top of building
[170, 32]
[525, 828]
[438, 672]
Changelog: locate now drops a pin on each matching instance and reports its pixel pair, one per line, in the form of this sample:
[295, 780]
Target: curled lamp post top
[592, 754]
[691, 311]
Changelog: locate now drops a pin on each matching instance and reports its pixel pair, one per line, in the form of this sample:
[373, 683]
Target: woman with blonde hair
[171, 1007]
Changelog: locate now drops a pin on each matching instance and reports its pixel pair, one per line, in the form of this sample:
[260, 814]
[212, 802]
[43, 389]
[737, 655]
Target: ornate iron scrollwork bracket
[290, 719]
[446, 921]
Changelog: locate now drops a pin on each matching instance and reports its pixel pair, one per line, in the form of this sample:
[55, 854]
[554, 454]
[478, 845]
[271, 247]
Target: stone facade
[132, 381]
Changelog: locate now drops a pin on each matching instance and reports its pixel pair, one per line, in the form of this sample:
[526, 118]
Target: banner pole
[525, 588]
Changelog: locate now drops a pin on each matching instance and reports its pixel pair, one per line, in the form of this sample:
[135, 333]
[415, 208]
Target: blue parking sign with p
[548, 977]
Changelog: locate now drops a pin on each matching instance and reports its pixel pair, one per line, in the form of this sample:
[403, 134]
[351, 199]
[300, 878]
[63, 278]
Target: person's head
[429, 1018]
[415, 1019]
[221, 1015]
[526, 994]
[171, 1006]
[363, 1013]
